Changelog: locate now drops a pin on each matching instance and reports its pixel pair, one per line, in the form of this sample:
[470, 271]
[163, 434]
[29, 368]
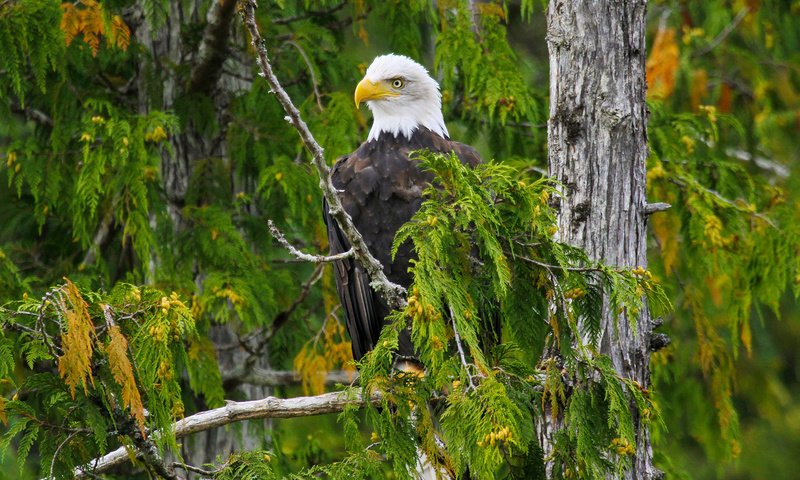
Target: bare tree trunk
[160, 85]
[597, 137]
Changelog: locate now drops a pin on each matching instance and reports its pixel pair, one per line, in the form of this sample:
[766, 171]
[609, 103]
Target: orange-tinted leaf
[77, 342]
[122, 370]
[698, 89]
[120, 33]
[666, 227]
[70, 22]
[662, 64]
[725, 98]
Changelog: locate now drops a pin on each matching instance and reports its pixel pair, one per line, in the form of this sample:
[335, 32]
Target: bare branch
[101, 237]
[651, 208]
[693, 184]
[232, 412]
[554, 267]
[724, 33]
[302, 255]
[33, 114]
[281, 378]
[761, 162]
[393, 294]
[314, 82]
[213, 50]
[313, 13]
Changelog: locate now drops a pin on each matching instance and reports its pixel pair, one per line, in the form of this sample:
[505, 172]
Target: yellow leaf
[662, 64]
[698, 88]
[120, 33]
[3, 417]
[75, 365]
[747, 337]
[89, 20]
[122, 370]
[666, 227]
[725, 98]
[70, 22]
[491, 10]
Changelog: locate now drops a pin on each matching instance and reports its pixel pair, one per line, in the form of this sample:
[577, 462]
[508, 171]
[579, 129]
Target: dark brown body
[381, 189]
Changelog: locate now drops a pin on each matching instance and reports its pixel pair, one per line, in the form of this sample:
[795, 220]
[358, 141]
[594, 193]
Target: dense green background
[724, 91]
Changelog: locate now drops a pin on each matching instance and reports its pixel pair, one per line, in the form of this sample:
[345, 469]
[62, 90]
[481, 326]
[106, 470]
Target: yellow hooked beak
[367, 90]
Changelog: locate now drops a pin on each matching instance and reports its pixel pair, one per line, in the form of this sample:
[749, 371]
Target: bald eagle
[381, 188]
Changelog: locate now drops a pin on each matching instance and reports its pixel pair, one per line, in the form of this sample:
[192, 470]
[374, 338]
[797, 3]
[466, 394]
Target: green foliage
[78, 423]
[33, 44]
[473, 225]
[120, 174]
[720, 143]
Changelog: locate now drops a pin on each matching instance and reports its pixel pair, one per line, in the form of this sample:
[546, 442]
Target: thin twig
[461, 348]
[313, 13]
[556, 267]
[282, 378]
[314, 83]
[392, 294]
[55, 455]
[198, 470]
[302, 255]
[687, 183]
[724, 33]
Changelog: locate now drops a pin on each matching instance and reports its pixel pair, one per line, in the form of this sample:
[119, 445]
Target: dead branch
[232, 412]
[282, 378]
[310, 14]
[393, 294]
[302, 255]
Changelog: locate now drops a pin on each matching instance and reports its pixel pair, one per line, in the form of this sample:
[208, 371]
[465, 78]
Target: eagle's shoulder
[424, 139]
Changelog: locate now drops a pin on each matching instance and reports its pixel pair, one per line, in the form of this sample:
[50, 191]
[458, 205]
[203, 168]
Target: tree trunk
[160, 85]
[597, 136]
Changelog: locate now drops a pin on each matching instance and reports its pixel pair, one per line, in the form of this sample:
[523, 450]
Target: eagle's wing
[363, 319]
[381, 190]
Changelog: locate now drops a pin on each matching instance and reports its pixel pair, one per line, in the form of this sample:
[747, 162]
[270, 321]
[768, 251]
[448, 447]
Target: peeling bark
[597, 137]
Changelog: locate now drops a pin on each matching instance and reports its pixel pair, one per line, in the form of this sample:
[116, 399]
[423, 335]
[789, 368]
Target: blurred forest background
[131, 160]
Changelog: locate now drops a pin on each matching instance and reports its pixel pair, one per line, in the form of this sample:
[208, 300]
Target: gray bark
[597, 136]
[160, 84]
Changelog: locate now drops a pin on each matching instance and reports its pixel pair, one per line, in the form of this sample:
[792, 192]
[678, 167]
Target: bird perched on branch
[381, 189]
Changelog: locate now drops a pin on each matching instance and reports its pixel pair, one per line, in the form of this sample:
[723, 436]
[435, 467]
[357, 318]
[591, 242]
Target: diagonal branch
[724, 33]
[393, 294]
[232, 412]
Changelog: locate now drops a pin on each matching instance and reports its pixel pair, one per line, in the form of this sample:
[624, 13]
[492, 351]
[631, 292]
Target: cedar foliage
[87, 138]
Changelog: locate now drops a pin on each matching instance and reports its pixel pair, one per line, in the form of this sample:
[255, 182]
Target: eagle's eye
[398, 83]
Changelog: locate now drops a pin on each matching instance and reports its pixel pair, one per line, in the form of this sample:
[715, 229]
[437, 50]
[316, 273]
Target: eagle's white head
[402, 97]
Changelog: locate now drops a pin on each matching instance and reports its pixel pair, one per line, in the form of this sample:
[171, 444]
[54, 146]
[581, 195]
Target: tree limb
[232, 412]
[392, 294]
[281, 378]
[33, 114]
[213, 49]
[313, 13]
[302, 255]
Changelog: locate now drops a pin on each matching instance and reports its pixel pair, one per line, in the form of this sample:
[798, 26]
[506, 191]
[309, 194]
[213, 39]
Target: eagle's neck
[404, 118]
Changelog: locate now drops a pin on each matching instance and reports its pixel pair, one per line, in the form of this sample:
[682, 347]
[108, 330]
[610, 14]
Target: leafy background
[81, 155]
